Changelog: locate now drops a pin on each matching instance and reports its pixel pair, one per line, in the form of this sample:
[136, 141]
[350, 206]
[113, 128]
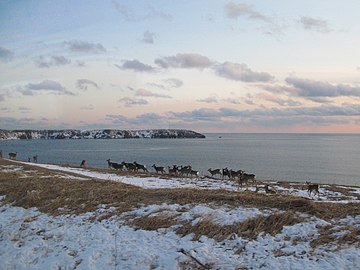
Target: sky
[205, 65]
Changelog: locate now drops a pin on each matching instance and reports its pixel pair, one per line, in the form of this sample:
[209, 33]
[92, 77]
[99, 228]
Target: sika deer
[214, 172]
[159, 169]
[173, 170]
[185, 170]
[245, 178]
[12, 155]
[114, 165]
[234, 174]
[268, 190]
[129, 166]
[194, 173]
[225, 172]
[312, 187]
[140, 167]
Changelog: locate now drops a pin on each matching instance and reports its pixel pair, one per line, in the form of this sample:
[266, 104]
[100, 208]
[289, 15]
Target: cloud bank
[314, 24]
[135, 65]
[241, 72]
[148, 37]
[234, 11]
[150, 13]
[311, 88]
[45, 86]
[79, 46]
[56, 60]
[83, 84]
[184, 60]
[229, 70]
[147, 93]
[128, 102]
[6, 55]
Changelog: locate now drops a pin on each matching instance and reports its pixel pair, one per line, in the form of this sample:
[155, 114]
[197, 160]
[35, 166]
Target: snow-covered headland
[66, 217]
[98, 134]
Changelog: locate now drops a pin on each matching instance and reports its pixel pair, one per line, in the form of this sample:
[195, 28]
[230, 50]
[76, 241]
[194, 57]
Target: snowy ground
[34, 240]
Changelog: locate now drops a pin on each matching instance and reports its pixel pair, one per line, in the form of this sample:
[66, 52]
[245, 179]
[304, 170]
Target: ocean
[319, 158]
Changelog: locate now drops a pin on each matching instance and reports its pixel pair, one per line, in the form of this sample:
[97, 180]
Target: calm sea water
[322, 158]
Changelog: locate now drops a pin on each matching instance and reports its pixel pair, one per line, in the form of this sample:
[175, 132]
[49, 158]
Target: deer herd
[238, 176]
[185, 171]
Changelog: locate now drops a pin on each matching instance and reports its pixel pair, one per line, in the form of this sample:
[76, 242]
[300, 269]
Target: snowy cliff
[98, 134]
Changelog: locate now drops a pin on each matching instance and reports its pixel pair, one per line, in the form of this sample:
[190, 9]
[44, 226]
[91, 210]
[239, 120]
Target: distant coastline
[100, 134]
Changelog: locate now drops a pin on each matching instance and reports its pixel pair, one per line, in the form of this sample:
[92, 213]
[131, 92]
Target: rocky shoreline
[99, 134]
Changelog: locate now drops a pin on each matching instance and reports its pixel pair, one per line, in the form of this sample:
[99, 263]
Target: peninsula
[99, 134]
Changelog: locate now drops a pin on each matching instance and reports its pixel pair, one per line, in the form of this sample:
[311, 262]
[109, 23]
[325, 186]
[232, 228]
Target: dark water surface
[322, 158]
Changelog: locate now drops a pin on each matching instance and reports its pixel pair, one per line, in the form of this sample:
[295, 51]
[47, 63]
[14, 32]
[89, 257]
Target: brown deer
[159, 169]
[115, 165]
[12, 155]
[214, 172]
[185, 170]
[140, 167]
[245, 178]
[225, 172]
[312, 187]
[131, 167]
[268, 190]
[194, 173]
[173, 170]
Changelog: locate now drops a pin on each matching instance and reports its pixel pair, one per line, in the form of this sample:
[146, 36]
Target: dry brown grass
[250, 228]
[190, 265]
[74, 196]
[272, 224]
[351, 237]
[329, 238]
[281, 253]
[153, 223]
[50, 194]
[206, 227]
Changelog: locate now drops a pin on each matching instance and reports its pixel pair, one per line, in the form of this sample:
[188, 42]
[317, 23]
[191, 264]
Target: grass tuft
[152, 223]
[328, 236]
